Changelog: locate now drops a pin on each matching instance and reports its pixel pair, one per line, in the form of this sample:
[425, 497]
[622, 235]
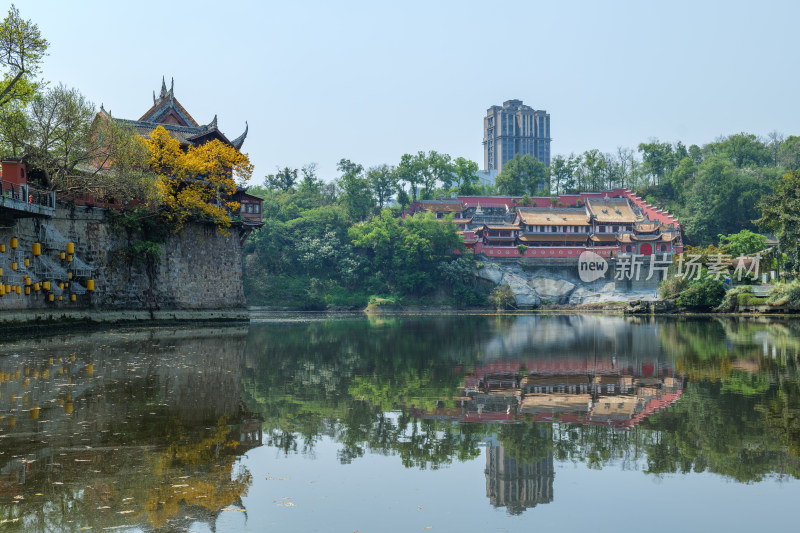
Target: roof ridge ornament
[163, 88]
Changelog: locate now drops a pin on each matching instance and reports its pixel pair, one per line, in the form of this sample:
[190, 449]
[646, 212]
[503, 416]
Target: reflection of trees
[339, 378]
[738, 415]
[192, 472]
[128, 429]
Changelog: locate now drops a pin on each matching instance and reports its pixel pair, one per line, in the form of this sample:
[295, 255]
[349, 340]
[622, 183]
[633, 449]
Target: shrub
[738, 297]
[522, 249]
[502, 297]
[671, 287]
[703, 293]
[785, 295]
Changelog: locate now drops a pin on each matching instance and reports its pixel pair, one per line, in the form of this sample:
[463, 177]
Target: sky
[370, 81]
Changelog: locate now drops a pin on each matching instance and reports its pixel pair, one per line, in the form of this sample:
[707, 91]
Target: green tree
[22, 49]
[743, 243]
[789, 153]
[779, 214]
[741, 149]
[521, 175]
[465, 176]
[409, 171]
[356, 192]
[722, 200]
[284, 179]
[383, 182]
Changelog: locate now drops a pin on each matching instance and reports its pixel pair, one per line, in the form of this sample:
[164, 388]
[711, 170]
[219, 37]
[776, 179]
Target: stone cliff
[198, 268]
[534, 284]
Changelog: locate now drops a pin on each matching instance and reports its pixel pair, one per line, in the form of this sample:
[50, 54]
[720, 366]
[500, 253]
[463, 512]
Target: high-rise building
[513, 129]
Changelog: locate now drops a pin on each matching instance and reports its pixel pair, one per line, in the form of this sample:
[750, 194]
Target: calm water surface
[408, 423]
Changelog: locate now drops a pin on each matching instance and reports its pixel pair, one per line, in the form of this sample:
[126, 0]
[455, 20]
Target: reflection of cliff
[134, 427]
[578, 390]
[517, 484]
[562, 336]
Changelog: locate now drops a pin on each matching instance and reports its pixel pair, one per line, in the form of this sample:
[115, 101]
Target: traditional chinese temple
[168, 113]
[608, 222]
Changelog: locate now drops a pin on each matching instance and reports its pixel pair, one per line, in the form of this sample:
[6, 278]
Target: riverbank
[24, 321]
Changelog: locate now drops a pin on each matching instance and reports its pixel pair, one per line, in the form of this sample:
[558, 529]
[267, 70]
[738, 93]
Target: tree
[22, 48]
[722, 200]
[560, 174]
[442, 170]
[283, 180]
[789, 153]
[741, 149]
[383, 182]
[779, 213]
[357, 195]
[595, 164]
[197, 183]
[743, 243]
[657, 159]
[465, 175]
[410, 172]
[311, 183]
[523, 174]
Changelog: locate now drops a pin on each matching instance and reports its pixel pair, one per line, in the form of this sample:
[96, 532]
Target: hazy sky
[369, 81]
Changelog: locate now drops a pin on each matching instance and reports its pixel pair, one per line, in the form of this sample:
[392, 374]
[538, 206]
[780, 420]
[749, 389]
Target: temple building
[610, 223]
[168, 113]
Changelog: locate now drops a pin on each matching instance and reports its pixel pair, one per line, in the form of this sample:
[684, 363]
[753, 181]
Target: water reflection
[107, 430]
[163, 429]
[662, 396]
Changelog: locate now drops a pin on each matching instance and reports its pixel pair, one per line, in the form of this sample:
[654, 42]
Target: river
[484, 422]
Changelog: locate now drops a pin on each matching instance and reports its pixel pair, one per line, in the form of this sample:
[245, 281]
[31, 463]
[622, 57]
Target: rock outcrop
[539, 284]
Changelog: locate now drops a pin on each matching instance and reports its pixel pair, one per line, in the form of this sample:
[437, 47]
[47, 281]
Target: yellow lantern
[2, 290]
[63, 256]
[46, 285]
[3, 248]
[19, 289]
[27, 291]
[34, 413]
[69, 258]
[90, 285]
[36, 287]
[37, 249]
[70, 248]
[72, 298]
[61, 286]
[1, 271]
[14, 242]
[8, 288]
[14, 265]
[60, 298]
[69, 275]
[50, 297]
[27, 262]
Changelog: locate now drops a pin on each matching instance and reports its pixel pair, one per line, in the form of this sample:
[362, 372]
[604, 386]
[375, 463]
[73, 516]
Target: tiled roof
[555, 237]
[442, 206]
[610, 210]
[608, 237]
[545, 216]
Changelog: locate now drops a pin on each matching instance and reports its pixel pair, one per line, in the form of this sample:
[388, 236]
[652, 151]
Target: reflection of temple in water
[516, 484]
[580, 390]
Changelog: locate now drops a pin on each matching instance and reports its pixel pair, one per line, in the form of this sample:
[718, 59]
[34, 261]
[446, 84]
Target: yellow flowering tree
[197, 183]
